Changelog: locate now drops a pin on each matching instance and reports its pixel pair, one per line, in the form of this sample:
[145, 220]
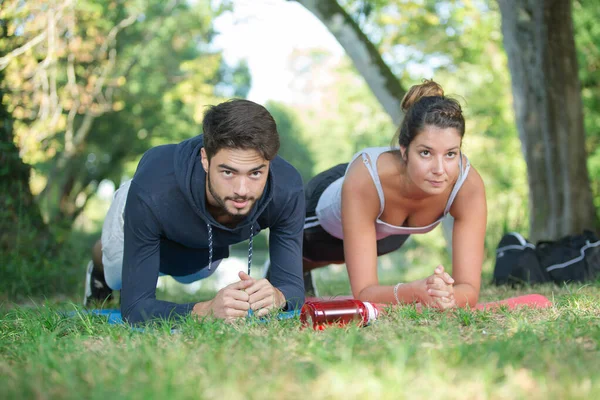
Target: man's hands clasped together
[234, 300]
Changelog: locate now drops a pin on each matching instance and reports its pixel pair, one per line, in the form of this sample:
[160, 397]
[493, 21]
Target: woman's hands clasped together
[440, 289]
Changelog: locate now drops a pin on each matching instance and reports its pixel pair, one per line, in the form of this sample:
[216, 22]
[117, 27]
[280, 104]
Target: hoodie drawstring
[210, 247]
[250, 249]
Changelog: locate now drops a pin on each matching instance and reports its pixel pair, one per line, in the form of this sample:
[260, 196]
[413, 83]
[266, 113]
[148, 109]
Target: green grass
[538, 354]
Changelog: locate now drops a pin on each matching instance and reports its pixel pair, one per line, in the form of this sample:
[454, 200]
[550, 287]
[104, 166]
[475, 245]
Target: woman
[369, 207]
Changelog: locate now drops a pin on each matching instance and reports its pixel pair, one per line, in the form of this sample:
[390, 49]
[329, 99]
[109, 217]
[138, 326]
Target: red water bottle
[320, 314]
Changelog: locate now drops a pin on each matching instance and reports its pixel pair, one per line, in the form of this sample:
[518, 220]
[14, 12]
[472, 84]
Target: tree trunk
[539, 41]
[364, 55]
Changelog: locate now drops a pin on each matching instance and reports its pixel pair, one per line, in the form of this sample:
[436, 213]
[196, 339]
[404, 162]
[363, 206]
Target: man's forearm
[202, 309]
[293, 297]
[148, 309]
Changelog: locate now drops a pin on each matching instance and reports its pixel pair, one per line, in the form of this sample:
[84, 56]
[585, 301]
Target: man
[187, 203]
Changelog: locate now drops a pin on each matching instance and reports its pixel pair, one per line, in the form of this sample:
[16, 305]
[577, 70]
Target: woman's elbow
[362, 294]
[472, 301]
[468, 297]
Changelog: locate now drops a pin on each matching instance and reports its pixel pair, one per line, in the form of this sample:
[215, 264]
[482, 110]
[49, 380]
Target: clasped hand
[440, 289]
[247, 294]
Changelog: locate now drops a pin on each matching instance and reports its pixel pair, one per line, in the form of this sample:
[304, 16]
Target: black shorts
[318, 245]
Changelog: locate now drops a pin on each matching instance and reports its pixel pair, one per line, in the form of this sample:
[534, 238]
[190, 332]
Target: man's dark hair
[240, 124]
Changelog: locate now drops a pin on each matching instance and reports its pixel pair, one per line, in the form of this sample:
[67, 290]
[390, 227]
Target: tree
[17, 205]
[539, 41]
[93, 84]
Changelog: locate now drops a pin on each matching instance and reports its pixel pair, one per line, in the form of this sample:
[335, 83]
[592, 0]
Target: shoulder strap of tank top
[370, 161]
[462, 177]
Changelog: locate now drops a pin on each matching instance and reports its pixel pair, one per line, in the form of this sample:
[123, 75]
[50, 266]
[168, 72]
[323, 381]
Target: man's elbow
[294, 298]
[132, 313]
[295, 303]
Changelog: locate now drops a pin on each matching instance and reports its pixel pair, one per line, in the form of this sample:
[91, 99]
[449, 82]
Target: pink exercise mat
[528, 300]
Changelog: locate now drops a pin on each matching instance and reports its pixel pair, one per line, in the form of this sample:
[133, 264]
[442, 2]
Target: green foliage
[167, 79]
[294, 148]
[24, 237]
[341, 116]
[41, 265]
[586, 16]
[236, 81]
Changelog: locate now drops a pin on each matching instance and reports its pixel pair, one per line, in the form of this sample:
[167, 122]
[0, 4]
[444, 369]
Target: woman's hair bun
[428, 88]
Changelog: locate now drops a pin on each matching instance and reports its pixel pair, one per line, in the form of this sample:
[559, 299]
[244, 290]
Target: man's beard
[221, 207]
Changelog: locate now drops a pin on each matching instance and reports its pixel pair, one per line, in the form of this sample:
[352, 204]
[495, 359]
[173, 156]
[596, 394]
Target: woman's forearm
[413, 292]
[410, 292]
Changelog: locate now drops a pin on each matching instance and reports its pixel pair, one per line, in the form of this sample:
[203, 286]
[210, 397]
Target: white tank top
[329, 207]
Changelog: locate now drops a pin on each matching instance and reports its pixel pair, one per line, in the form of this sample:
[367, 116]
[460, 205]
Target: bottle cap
[372, 311]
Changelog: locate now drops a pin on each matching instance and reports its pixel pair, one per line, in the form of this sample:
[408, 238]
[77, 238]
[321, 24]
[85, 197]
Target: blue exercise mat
[114, 316]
